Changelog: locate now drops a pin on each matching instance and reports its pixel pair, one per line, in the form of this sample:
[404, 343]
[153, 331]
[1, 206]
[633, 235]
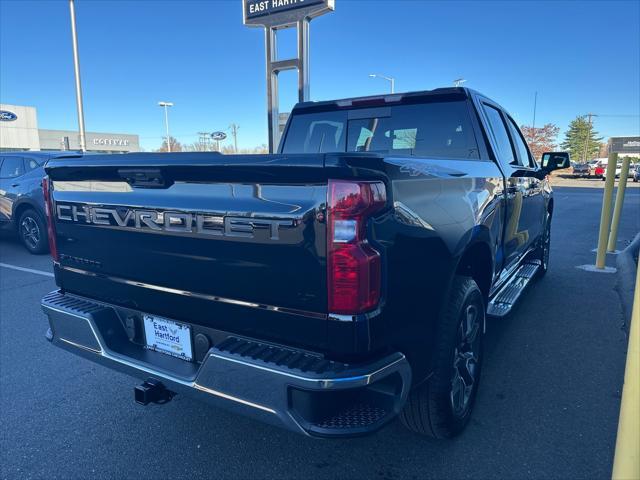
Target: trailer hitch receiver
[152, 391]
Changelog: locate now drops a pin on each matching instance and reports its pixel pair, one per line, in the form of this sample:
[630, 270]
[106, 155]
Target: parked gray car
[21, 200]
[581, 170]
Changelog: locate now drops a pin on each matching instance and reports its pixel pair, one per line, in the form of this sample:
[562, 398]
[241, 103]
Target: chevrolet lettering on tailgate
[180, 222]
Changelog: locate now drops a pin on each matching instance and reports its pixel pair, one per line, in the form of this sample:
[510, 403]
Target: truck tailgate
[233, 244]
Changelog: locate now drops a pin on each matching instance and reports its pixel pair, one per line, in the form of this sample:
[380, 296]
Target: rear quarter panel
[440, 208]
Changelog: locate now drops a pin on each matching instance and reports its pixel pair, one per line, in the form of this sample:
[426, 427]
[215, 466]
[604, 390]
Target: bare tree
[604, 150]
[176, 146]
[230, 149]
[261, 149]
[198, 147]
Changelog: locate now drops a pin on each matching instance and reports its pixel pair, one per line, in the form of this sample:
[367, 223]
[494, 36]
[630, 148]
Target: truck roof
[385, 99]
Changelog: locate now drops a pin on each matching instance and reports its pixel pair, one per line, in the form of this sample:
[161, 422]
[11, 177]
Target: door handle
[15, 184]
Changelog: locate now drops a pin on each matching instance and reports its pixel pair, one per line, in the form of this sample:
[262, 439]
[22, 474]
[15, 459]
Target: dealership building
[625, 146]
[19, 131]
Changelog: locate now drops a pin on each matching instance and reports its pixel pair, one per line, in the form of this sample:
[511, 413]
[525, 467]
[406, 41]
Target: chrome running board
[502, 302]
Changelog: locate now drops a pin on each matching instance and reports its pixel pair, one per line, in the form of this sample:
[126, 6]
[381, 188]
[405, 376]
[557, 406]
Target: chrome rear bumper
[276, 384]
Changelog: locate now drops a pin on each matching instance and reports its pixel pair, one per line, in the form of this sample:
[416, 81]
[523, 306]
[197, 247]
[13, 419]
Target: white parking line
[29, 270]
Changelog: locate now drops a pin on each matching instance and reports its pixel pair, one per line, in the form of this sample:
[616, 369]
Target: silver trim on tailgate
[203, 296]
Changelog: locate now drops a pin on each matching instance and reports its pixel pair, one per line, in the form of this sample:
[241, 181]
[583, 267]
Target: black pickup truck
[326, 288]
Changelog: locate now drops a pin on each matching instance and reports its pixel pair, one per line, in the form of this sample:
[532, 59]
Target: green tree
[579, 137]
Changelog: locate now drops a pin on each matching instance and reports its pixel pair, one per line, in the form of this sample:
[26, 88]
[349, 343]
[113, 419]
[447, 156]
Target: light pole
[76, 67]
[588, 137]
[166, 121]
[458, 82]
[234, 131]
[389, 79]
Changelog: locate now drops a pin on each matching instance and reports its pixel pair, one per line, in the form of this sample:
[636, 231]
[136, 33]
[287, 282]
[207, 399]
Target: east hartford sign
[274, 15]
[279, 12]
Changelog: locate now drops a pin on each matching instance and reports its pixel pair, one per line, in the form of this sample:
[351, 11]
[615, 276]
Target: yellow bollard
[622, 186]
[605, 215]
[626, 463]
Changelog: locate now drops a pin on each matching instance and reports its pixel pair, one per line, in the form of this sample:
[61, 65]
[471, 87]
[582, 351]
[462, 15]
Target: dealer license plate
[167, 336]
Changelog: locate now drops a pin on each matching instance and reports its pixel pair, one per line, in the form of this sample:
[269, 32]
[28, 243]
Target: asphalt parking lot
[547, 407]
[563, 179]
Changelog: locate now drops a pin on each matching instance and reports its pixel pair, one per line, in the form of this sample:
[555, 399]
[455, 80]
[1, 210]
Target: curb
[626, 261]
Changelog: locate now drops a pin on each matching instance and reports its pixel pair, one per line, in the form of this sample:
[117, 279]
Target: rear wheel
[32, 232]
[441, 407]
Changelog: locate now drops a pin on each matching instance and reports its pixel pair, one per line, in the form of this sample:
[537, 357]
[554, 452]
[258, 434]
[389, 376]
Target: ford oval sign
[218, 136]
[7, 116]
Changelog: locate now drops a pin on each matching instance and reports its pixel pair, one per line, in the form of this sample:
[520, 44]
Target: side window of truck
[524, 157]
[499, 130]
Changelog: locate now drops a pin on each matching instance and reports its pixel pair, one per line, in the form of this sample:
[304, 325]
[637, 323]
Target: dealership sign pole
[276, 15]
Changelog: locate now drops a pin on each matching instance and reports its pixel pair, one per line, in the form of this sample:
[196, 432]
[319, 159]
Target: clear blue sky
[581, 56]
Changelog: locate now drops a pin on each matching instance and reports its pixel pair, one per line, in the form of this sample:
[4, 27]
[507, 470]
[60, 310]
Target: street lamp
[76, 68]
[458, 82]
[166, 121]
[389, 79]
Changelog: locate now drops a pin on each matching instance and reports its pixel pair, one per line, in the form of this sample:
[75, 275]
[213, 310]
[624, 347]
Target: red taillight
[51, 229]
[353, 266]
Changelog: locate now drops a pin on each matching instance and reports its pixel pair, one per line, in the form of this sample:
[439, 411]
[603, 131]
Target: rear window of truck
[437, 129]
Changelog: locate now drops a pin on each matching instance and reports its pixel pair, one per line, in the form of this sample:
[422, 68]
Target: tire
[542, 252]
[32, 232]
[435, 408]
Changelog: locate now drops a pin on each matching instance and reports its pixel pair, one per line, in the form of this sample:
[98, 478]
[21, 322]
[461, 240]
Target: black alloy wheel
[466, 360]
